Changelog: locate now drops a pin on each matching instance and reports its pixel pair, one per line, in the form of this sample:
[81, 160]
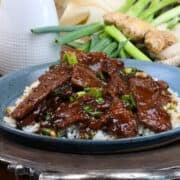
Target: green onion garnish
[129, 100]
[94, 91]
[70, 58]
[93, 112]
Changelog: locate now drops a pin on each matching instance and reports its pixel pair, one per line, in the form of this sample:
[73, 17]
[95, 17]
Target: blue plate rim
[139, 139]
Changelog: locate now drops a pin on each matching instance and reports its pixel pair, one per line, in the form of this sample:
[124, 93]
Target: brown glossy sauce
[55, 104]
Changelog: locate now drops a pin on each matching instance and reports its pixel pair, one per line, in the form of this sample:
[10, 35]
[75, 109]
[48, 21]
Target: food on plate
[92, 96]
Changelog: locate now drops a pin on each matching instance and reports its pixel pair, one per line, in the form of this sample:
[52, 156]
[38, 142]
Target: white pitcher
[18, 46]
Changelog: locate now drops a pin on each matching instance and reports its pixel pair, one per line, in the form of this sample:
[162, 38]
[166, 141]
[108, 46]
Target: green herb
[48, 117]
[94, 91]
[70, 58]
[46, 131]
[80, 94]
[56, 29]
[129, 70]
[57, 91]
[101, 76]
[72, 99]
[79, 34]
[100, 100]
[61, 133]
[93, 112]
[129, 101]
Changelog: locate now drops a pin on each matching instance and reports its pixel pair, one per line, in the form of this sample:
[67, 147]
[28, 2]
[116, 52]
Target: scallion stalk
[167, 16]
[129, 47]
[57, 29]
[79, 34]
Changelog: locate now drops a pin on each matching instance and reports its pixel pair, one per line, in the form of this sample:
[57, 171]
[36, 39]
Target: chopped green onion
[129, 47]
[100, 100]
[70, 58]
[57, 91]
[46, 131]
[101, 76]
[80, 94]
[48, 117]
[72, 99]
[91, 111]
[61, 133]
[95, 92]
[130, 70]
[129, 101]
[79, 34]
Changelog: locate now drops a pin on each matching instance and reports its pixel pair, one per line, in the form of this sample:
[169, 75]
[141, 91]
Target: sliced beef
[48, 82]
[68, 114]
[117, 85]
[83, 77]
[96, 61]
[150, 101]
[122, 122]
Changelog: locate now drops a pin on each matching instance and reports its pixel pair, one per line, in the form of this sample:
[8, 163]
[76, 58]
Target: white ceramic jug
[18, 46]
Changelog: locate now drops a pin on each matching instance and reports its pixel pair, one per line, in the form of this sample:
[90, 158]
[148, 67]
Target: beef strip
[83, 77]
[95, 61]
[117, 85]
[150, 101]
[122, 122]
[48, 82]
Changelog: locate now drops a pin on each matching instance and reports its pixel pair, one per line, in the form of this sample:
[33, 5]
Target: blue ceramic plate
[12, 86]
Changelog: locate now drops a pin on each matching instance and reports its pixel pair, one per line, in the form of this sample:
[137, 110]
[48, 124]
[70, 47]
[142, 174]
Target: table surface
[31, 161]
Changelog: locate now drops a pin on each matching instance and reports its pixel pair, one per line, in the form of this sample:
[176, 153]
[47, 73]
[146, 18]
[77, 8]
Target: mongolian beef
[89, 94]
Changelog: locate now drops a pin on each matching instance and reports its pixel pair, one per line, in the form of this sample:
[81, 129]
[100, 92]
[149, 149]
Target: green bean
[79, 34]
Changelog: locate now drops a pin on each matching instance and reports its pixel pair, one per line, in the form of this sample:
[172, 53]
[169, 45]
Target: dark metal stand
[160, 163]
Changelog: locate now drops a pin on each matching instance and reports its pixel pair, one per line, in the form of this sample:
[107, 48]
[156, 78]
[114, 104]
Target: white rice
[72, 132]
